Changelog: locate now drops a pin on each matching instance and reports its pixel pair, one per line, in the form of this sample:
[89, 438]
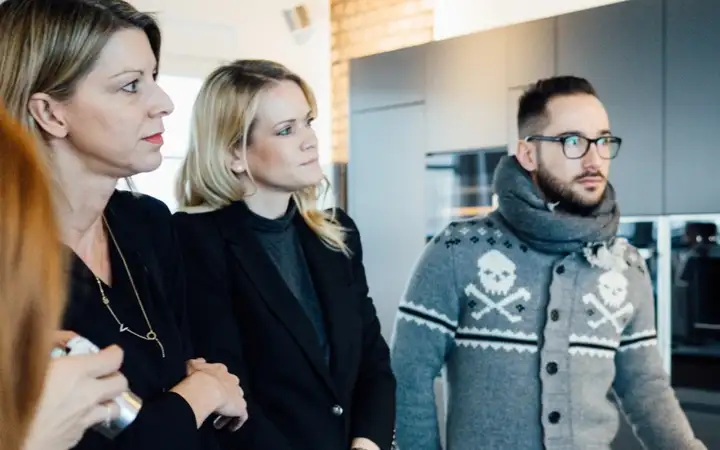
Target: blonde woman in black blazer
[277, 287]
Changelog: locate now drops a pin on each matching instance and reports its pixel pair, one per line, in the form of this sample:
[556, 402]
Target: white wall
[459, 17]
[199, 35]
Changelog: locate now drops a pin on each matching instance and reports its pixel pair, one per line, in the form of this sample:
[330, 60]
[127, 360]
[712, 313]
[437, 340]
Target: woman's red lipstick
[154, 139]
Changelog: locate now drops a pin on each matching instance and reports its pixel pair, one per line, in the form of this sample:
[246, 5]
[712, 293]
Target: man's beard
[555, 191]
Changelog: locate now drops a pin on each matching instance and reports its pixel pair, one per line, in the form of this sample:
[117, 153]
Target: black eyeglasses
[575, 146]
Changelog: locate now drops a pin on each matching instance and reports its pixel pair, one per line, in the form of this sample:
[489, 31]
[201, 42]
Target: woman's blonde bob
[222, 120]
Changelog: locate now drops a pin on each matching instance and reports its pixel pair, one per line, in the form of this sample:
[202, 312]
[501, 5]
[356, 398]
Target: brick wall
[366, 27]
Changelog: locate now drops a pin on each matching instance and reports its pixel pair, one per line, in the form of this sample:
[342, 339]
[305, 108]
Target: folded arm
[168, 419]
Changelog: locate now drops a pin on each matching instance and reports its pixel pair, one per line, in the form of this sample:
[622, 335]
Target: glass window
[695, 280]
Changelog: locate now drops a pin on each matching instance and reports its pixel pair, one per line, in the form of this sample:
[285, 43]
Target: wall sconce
[299, 22]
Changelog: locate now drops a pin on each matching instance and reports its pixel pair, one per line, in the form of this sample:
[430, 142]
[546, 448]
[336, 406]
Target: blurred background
[417, 103]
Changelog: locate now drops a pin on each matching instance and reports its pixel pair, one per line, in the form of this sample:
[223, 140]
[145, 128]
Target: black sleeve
[158, 425]
[214, 331]
[373, 412]
[688, 268]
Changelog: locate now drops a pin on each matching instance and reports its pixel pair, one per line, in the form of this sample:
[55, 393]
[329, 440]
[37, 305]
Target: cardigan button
[552, 368]
[337, 410]
[554, 417]
[554, 315]
[560, 270]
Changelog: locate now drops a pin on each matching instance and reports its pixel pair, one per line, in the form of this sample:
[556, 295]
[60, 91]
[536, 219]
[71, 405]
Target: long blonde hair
[48, 46]
[222, 119]
[32, 280]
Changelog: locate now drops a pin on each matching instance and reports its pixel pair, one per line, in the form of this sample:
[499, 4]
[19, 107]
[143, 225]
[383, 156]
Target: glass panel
[695, 279]
[459, 185]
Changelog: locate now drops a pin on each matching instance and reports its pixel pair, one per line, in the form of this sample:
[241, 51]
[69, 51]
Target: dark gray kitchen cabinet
[692, 158]
[530, 52]
[619, 48]
[466, 92]
[388, 79]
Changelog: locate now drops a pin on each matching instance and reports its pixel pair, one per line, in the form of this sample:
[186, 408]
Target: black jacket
[142, 226]
[243, 315]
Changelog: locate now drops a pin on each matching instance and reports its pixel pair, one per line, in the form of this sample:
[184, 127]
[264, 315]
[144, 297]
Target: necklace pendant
[151, 335]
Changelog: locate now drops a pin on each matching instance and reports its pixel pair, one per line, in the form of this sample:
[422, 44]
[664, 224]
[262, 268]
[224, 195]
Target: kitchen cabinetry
[692, 102]
[466, 92]
[619, 48]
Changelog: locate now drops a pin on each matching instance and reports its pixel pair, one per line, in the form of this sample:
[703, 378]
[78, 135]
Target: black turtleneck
[280, 240]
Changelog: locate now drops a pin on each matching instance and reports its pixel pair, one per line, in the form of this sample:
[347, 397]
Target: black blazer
[243, 314]
[142, 226]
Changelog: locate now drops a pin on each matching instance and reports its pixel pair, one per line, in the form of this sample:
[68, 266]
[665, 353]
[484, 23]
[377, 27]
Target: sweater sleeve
[642, 384]
[424, 334]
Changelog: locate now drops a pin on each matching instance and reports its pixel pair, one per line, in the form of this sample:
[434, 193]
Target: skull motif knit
[534, 340]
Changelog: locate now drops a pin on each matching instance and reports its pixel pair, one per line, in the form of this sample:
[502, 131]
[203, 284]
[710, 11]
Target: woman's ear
[48, 115]
[237, 161]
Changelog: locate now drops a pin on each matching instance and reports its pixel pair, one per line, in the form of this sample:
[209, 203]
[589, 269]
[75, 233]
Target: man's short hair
[532, 111]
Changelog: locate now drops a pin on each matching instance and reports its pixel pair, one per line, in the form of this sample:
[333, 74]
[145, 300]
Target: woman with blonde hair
[278, 286]
[80, 76]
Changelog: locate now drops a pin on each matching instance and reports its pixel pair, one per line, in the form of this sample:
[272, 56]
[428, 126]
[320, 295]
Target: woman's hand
[233, 412]
[210, 388]
[78, 394]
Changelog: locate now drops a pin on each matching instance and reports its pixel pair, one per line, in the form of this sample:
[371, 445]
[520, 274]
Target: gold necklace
[151, 335]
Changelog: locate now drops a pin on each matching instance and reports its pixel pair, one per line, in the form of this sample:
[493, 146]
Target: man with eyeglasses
[537, 312]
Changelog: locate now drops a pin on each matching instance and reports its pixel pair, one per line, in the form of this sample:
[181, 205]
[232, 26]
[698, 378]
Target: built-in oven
[458, 184]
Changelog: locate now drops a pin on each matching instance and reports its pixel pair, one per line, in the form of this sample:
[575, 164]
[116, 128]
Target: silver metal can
[128, 403]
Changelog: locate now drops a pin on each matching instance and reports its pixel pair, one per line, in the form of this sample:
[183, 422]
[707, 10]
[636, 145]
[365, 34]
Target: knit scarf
[546, 227]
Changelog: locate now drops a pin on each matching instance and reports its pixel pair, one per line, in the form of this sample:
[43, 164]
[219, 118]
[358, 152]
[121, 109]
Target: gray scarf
[547, 227]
